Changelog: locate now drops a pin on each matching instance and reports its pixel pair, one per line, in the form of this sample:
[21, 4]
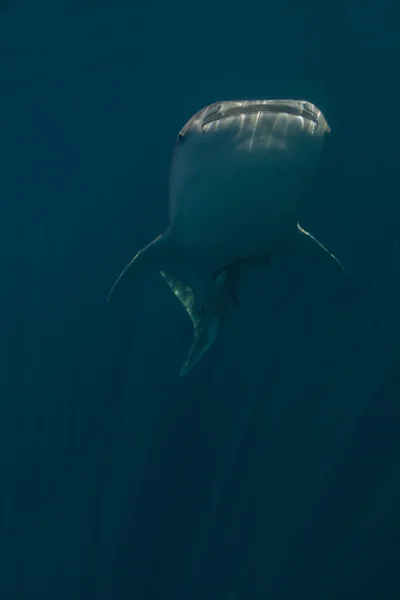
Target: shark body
[240, 172]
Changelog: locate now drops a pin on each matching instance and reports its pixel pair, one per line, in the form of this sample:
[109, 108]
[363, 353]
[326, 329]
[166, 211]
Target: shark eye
[310, 114]
[215, 115]
[181, 136]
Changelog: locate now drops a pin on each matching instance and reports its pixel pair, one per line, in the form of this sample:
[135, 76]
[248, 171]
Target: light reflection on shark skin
[239, 175]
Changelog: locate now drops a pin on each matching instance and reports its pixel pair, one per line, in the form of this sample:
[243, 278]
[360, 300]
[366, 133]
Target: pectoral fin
[308, 246]
[150, 257]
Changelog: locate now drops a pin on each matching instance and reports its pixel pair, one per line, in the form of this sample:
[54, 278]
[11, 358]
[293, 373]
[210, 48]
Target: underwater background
[273, 470]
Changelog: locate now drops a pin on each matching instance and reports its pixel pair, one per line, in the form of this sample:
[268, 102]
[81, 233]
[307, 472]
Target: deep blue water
[273, 470]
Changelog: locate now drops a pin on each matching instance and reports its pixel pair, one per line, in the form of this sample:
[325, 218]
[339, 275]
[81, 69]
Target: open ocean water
[272, 471]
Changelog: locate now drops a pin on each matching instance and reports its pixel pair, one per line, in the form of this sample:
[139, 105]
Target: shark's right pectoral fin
[309, 247]
[205, 329]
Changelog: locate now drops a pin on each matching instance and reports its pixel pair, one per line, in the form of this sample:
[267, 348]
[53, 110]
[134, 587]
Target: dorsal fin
[205, 328]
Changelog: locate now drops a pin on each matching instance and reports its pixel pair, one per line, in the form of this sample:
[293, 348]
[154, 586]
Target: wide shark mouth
[298, 110]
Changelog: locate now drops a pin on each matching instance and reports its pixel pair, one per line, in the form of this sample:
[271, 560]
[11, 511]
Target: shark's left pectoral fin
[310, 247]
[205, 330]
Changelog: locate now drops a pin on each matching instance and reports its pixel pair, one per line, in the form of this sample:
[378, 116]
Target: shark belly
[243, 215]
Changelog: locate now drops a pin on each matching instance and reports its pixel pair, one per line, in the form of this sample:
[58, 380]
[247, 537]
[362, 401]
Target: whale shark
[240, 174]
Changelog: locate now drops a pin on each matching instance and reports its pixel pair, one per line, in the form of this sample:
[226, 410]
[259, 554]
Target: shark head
[298, 115]
[237, 135]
